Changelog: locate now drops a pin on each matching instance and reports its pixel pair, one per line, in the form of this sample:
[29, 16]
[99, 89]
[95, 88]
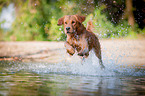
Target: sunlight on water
[71, 77]
[89, 66]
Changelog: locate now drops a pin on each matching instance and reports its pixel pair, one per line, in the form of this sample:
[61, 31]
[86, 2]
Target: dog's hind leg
[100, 62]
[82, 59]
[98, 54]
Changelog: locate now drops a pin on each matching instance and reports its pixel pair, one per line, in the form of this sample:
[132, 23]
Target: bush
[37, 20]
[55, 32]
[105, 29]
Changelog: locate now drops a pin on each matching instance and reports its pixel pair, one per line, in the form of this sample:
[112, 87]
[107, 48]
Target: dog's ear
[81, 18]
[60, 21]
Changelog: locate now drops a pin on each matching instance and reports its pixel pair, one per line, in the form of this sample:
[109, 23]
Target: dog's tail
[90, 26]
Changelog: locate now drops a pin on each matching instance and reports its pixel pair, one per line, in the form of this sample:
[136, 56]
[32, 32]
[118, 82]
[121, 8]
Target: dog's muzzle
[67, 28]
[68, 31]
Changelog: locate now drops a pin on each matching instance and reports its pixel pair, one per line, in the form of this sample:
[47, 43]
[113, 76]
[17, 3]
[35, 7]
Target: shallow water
[73, 79]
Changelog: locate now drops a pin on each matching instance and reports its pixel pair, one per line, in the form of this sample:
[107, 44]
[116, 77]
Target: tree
[129, 13]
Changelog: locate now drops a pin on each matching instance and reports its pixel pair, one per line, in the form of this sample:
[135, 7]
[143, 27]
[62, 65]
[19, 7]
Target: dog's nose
[67, 28]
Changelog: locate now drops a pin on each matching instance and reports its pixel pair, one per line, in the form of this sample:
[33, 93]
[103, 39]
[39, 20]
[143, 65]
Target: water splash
[89, 67]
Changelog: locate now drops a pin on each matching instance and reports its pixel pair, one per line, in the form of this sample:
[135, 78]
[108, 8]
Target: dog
[90, 26]
[79, 38]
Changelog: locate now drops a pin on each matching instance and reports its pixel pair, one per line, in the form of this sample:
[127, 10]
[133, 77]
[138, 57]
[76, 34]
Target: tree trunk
[129, 12]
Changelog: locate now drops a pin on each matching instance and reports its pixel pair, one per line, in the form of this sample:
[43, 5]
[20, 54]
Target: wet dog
[79, 38]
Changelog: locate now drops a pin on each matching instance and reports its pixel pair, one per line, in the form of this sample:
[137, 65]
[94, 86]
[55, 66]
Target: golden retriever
[79, 38]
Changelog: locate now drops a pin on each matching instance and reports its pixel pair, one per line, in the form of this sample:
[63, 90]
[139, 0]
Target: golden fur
[79, 38]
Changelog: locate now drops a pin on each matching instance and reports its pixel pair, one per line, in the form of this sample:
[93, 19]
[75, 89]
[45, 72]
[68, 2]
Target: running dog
[79, 38]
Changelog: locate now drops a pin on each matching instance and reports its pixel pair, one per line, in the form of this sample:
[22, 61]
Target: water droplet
[114, 1]
[59, 28]
[58, 38]
[92, 2]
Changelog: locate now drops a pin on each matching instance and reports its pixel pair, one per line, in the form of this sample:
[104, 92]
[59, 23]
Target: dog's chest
[75, 42]
[78, 43]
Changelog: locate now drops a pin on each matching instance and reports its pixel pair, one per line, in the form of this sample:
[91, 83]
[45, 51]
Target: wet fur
[79, 38]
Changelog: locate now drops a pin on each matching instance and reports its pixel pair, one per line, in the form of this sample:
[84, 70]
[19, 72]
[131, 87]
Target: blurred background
[29, 20]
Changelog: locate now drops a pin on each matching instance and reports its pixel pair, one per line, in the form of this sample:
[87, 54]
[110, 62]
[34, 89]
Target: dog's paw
[103, 67]
[83, 54]
[80, 54]
[71, 52]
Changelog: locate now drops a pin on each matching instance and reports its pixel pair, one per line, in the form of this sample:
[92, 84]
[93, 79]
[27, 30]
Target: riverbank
[121, 51]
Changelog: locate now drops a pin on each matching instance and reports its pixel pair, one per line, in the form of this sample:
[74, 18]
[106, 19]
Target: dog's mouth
[68, 32]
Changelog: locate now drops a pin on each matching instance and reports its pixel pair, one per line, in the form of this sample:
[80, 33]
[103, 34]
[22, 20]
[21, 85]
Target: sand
[131, 52]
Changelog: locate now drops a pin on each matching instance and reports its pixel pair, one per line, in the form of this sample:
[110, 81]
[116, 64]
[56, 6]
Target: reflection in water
[24, 81]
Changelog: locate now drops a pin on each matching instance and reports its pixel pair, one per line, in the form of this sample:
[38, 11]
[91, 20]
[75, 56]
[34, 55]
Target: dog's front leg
[69, 48]
[84, 52]
[84, 48]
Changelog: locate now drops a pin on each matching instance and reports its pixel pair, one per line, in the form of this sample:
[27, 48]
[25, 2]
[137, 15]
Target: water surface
[27, 79]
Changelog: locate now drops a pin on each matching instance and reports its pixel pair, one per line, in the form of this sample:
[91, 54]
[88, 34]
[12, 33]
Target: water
[70, 79]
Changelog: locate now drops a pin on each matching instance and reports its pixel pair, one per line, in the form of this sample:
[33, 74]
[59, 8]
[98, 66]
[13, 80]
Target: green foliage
[1, 31]
[106, 29]
[27, 25]
[55, 32]
[37, 20]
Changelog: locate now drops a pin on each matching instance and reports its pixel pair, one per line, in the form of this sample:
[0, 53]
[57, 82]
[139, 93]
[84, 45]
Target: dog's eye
[65, 22]
[73, 22]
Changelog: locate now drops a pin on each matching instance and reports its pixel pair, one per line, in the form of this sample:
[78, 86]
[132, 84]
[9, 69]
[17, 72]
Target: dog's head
[71, 23]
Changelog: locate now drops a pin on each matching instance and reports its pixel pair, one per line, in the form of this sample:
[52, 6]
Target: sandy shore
[121, 51]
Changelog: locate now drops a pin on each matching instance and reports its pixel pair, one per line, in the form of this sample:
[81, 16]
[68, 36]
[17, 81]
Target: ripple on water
[89, 67]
